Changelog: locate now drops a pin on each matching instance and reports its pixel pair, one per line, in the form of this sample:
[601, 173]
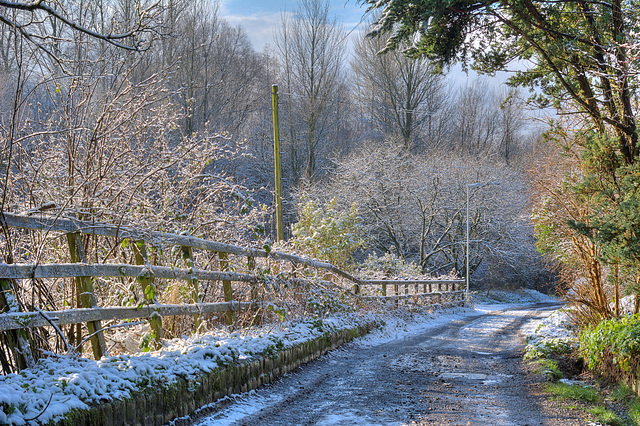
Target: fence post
[384, 289]
[16, 340]
[226, 285]
[148, 290]
[187, 255]
[251, 266]
[84, 291]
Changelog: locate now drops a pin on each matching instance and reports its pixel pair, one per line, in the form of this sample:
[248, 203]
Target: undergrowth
[610, 347]
[578, 392]
[613, 347]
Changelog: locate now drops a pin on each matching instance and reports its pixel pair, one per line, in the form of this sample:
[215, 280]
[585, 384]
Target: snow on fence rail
[18, 320]
[88, 311]
[156, 238]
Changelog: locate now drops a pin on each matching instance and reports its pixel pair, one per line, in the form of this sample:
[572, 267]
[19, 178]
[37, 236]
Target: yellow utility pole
[276, 156]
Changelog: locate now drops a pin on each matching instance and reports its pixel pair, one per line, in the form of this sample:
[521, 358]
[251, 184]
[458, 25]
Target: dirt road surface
[467, 371]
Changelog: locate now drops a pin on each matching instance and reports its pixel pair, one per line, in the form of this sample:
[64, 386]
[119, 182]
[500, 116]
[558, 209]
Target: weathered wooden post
[251, 266]
[187, 256]
[226, 286]
[148, 290]
[86, 298]
[384, 289]
[397, 288]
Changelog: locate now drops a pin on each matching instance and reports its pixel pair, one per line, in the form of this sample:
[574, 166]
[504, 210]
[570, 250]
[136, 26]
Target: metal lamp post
[469, 185]
[472, 185]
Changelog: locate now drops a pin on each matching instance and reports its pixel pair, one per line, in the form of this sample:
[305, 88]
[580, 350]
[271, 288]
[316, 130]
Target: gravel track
[466, 372]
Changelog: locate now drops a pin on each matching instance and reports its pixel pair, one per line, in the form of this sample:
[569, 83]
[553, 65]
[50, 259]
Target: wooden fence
[14, 323]
[422, 288]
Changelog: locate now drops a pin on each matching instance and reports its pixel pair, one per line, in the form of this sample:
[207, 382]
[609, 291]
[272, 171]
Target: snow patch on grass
[511, 297]
[59, 384]
[555, 333]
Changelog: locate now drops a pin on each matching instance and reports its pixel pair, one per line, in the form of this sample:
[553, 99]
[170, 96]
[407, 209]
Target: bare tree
[45, 24]
[511, 123]
[475, 115]
[311, 45]
[415, 208]
[401, 97]
[215, 69]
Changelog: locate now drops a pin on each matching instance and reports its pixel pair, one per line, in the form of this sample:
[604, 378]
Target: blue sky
[260, 18]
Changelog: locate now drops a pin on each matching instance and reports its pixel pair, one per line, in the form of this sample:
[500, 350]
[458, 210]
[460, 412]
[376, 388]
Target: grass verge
[617, 406]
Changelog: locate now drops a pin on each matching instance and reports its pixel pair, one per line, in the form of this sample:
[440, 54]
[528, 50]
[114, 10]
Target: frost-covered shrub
[326, 233]
[390, 266]
[328, 302]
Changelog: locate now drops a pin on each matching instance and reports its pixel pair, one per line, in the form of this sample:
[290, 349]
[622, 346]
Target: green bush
[326, 233]
[615, 341]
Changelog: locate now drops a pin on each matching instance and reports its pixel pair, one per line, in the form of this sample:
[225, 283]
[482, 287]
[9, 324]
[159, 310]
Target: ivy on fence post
[226, 285]
[86, 298]
[16, 340]
[187, 256]
[148, 291]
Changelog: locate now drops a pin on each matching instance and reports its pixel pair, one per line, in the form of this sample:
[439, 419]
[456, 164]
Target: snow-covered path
[463, 369]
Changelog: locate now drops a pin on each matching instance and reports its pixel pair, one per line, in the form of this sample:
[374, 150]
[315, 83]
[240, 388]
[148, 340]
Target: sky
[259, 18]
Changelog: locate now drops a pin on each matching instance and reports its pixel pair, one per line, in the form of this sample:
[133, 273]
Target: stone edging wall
[162, 405]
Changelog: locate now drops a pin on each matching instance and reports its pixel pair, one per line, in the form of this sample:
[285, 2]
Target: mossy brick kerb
[161, 405]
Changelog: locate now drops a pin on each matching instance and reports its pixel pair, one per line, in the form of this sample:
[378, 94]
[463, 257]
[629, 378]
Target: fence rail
[145, 273]
[71, 270]
[19, 320]
[159, 239]
[416, 296]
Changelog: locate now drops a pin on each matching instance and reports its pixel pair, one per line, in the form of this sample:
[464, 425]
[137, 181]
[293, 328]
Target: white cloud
[260, 27]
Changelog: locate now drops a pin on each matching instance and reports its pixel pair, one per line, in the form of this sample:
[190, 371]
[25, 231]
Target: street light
[472, 185]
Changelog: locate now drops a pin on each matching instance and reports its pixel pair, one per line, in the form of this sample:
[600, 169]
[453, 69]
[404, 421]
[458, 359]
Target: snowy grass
[510, 297]
[59, 384]
[554, 334]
